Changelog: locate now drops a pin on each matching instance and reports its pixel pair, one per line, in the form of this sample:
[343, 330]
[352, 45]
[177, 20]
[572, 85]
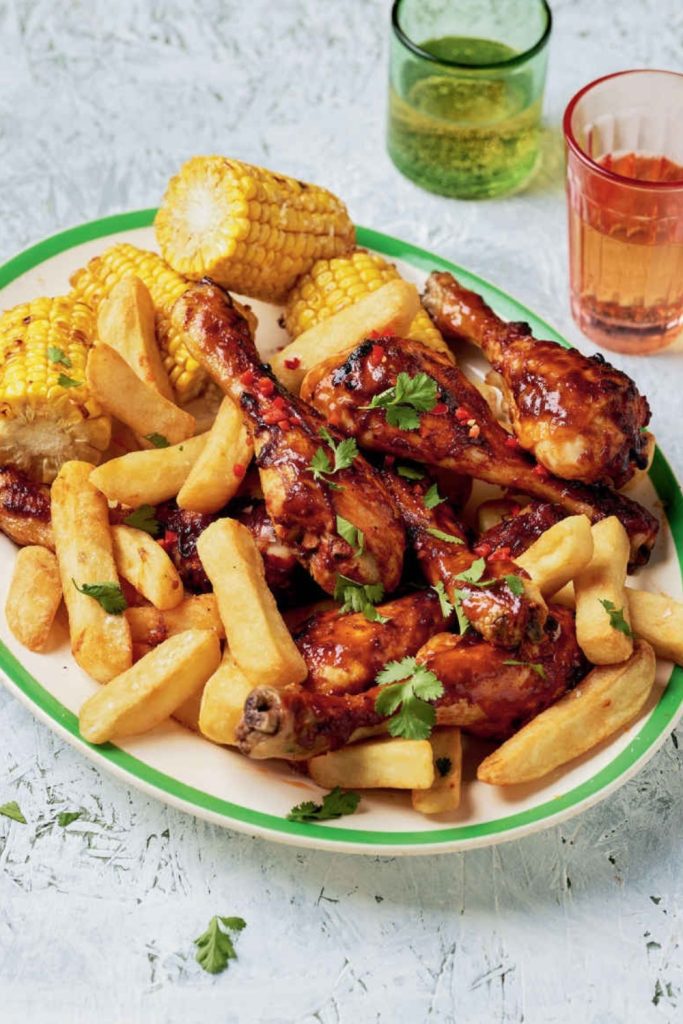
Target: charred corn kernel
[249, 229]
[332, 285]
[47, 414]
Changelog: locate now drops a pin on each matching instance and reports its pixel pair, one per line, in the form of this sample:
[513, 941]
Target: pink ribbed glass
[624, 136]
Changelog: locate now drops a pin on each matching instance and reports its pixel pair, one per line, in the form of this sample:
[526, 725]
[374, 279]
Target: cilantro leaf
[13, 810]
[158, 440]
[535, 665]
[408, 397]
[463, 621]
[475, 571]
[68, 382]
[407, 689]
[335, 803]
[65, 818]
[359, 597]
[515, 583]
[450, 538]
[410, 473]
[214, 946]
[344, 453]
[108, 595]
[58, 355]
[143, 518]
[616, 617]
[444, 766]
[351, 534]
[446, 606]
[432, 498]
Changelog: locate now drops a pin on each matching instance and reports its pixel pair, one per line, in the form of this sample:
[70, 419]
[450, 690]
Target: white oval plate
[219, 784]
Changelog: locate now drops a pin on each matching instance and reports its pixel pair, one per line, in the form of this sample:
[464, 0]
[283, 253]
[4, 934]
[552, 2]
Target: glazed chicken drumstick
[580, 417]
[457, 432]
[482, 694]
[286, 434]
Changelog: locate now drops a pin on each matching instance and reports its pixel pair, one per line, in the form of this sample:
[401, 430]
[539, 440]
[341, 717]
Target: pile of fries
[197, 657]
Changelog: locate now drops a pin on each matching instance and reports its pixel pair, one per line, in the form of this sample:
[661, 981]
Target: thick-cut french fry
[607, 699]
[601, 605]
[146, 478]
[559, 554]
[152, 689]
[188, 712]
[656, 618]
[35, 592]
[145, 564]
[150, 626]
[217, 474]
[376, 764]
[444, 792]
[120, 391]
[223, 701]
[390, 309]
[257, 635]
[125, 322]
[100, 641]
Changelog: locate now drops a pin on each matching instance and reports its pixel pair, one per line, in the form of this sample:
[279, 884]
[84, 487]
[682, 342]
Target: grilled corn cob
[332, 285]
[250, 230]
[47, 414]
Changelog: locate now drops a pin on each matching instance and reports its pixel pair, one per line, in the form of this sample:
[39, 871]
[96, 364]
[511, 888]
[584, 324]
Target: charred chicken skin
[482, 694]
[286, 435]
[493, 610]
[459, 433]
[580, 417]
[24, 509]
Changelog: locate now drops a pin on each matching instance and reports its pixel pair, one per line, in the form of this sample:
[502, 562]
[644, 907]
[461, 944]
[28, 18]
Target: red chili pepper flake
[483, 550]
[248, 377]
[389, 460]
[515, 509]
[475, 430]
[462, 413]
[168, 539]
[271, 416]
[376, 353]
[440, 408]
[284, 424]
[265, 386]
[375, 334]
[541, 471]
[278, 403]
[512, 442]
[293, 363]
[239, 470]
[502, 553]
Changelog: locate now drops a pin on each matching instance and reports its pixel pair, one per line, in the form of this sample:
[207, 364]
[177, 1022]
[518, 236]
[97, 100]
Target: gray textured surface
[99, 103]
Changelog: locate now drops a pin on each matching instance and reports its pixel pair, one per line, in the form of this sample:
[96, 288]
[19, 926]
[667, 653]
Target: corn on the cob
[250, 230]
[332, 285]
[47, 414]
[95, 281]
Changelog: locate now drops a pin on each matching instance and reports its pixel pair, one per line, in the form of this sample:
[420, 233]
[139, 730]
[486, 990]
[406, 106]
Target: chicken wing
[582, 418]
[484, 692]
[286, 434]
[459, 432]
[24, 509]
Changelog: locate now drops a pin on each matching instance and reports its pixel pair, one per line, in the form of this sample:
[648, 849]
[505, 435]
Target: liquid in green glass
[461, 133]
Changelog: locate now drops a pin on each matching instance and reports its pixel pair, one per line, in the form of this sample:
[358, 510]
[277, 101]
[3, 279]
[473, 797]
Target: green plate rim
[662, 719]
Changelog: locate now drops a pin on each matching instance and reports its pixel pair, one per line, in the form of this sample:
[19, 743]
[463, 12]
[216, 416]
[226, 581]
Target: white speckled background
[99, 103]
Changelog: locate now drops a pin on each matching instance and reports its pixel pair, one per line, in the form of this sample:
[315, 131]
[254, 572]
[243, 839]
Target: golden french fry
[152, 689]
[376, 764]
[120, 391]
[145, 564]
[100, 641]
[558, 554]
[601, 603]
[218, 472]
[223, 701]
[391, 308]
[146, 478]
[257, 635]
[188, 712]
[608, 698]
[444, 792]
[150, 626]
[125, 322]
[35, 592]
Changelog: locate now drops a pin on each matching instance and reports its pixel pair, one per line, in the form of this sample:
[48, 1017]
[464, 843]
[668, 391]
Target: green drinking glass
[465, 93]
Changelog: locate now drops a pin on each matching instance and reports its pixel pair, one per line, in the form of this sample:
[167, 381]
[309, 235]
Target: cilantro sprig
[450, 538]
[58, 356]
[344, 453]
[158, 440]
[335, 803]
[68, 382]
[406, 399]
[410, 473]
[616, 617]
[351, 534]
[143, 518]
[473, 577]
[407, 689]
[13, 810]
[108, 595]
[359, 597]
[444, 600]
[215, 946]
[534, 665]
[432, 497]
[65, 818]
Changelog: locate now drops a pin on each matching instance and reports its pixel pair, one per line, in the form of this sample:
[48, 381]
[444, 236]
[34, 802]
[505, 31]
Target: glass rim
[519, 58]
[579, 151]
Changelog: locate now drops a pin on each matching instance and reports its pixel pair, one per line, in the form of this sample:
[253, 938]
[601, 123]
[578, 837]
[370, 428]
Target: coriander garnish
[407, 689]
[335, 803]
[351, 534]
[616, 617]
[158, 440]
[406, 399]
[108, 595]
[214, 946]
[143, 518]
[344, 453]
[359, 597]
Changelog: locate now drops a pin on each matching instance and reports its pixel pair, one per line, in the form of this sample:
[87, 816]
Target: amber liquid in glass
[627, 263]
